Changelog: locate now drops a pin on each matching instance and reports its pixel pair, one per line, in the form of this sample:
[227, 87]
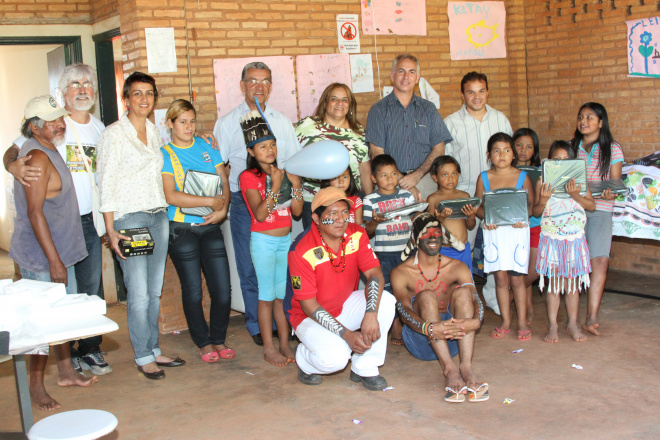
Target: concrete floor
[616, 394]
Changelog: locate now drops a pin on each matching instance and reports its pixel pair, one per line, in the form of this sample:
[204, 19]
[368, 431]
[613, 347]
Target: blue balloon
[320, 160]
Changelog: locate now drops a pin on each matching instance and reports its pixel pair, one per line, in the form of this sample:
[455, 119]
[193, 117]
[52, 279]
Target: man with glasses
[256, 85]
[78, 86]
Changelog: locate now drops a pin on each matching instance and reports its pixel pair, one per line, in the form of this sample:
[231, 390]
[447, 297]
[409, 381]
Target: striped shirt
[408, 134]
[470, 142]
[391, 235]
[593, 169]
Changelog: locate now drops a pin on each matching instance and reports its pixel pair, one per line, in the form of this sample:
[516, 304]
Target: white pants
[323, 352]
[490, 295]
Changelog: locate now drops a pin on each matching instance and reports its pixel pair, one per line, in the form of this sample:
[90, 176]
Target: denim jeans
[143, 277]
[388, 261]
[306, 215]
[71, 286]
[88, 277]
[197, 249]
[419, 346]
[240, 235]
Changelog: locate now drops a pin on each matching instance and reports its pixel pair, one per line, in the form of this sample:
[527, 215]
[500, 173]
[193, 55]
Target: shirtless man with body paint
[440, 307]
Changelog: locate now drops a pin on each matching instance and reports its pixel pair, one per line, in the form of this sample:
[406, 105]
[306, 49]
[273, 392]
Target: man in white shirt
[470, 128]
[78, 85]
[256, 85]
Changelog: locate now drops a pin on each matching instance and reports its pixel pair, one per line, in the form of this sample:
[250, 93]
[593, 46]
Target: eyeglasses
[254, 82]
[77, 85]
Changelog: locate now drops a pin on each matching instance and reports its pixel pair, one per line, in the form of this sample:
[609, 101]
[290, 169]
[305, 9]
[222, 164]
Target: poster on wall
[348, 37]
[161, 50]
[161, 123]
[227, 79]
[316, 72]
[476, 30]
[393, 17]
[362, 73]
[642, 46]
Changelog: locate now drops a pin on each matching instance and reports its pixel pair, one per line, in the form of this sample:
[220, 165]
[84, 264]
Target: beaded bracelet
[273, 196]
[425, 326]
[430, 335]
[297, 193]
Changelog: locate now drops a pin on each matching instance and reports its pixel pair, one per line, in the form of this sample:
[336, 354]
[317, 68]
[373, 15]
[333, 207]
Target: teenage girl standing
[594, 143]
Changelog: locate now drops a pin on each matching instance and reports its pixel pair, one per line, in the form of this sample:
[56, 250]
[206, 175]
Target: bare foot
[275, 357]
[288, 354]
[73, 378]
[396, 331]
[530, 315]
[205, 350]
[574, 331]
[592, 327]
[454, 380]
[468, 376]
[552, 336]
[42, 400]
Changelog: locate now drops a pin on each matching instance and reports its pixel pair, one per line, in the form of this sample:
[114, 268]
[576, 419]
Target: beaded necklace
[342, 261]
[436, 275]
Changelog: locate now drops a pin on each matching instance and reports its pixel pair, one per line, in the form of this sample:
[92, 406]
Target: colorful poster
[348, 36]
[316, 72]
[477, 30]
[227, 78]
[643, 55]
[362, 73]
[393, 17]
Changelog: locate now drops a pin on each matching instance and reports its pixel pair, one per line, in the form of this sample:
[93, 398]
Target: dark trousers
[88, 277]
[197, 249]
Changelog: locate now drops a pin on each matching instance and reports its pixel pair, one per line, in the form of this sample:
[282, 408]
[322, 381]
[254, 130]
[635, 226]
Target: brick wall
[102, 9]
[576, 52]
[295, 27]
[44, 11]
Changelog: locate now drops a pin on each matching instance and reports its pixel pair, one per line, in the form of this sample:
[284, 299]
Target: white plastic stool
[82, 424]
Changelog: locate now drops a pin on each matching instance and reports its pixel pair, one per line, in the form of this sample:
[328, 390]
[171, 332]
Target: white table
[56, 334]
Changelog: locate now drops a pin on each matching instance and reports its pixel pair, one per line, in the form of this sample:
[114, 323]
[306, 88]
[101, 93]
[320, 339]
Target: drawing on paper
[643, 55]
[477, 30]
[393, 17]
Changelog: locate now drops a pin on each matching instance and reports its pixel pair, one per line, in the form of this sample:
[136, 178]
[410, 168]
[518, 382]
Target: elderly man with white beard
[78, 85]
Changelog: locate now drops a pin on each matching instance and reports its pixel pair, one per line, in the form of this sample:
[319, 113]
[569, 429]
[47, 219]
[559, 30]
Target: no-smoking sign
[348, 37]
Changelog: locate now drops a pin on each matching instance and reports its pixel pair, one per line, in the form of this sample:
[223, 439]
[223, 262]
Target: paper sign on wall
[161, 51]
[362, 73]
[348, 36]
[161, 123]
[642, 47]
[476, 30]
[393, 17]
[227, 79]
[315, 73]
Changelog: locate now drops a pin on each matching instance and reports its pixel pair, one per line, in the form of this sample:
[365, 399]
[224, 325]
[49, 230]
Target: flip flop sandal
[226, 353]
[480, 394]
[210, 357]
[524, 336]
[499, 333]
[453, 396]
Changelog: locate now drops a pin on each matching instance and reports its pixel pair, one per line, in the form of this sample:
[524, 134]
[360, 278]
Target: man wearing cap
[335, 322]
[48, 238]
[256, 85]
[439, 305]
[78, 85]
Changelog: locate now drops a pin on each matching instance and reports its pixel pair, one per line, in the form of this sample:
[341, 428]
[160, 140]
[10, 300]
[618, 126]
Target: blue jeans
[419, 346]
[143, 278]
[240, 235]
[388, 261]
[197, 249]
[269, 254]
[306, 215]
[88, 277]
[71, 286]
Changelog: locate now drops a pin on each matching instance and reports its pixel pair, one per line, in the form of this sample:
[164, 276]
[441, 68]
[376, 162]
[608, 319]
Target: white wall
[23, 75]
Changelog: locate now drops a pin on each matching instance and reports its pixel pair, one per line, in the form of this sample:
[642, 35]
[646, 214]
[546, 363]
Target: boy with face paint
[439, 305]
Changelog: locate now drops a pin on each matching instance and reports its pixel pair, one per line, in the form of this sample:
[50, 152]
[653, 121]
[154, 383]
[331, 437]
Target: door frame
[105, 71]
[72, 45]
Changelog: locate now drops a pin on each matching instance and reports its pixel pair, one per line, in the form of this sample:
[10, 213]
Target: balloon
[320, 160]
